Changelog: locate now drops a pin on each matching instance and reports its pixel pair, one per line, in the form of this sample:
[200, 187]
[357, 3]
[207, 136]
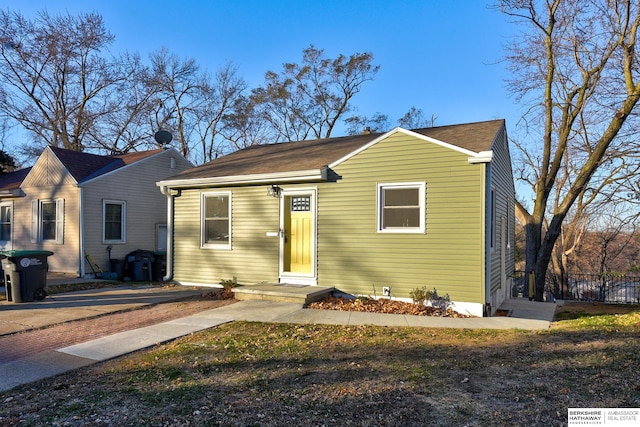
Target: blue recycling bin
[25, 274]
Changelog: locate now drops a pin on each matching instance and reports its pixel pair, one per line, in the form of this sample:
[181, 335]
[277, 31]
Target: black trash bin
[117, 266]
[25, 274]
[140, 265]
[159, 266]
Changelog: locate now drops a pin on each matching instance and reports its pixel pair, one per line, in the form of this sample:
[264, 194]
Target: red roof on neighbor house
[12, 180]
[82, 166]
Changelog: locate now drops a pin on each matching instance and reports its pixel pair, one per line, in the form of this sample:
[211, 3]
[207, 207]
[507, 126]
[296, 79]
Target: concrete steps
[282, 292]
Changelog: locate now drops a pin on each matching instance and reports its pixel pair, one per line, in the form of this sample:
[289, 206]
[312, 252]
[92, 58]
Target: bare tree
[180, 87]
[124, 125]
[54, 75]
[308, 99]
[576, 60]
[245, 127]
[193, 105]
[221, 98]
[415, 119]
[611, 246]
[361, 124]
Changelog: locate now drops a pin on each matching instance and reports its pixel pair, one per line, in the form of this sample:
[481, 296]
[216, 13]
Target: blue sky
[440, 56]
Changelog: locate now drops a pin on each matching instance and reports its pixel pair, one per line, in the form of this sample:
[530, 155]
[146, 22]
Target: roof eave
[264, 178]
[12, 193]
[481, 157]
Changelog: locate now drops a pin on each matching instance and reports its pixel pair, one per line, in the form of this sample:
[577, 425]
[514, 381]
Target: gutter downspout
[167, 192]
[489, 225]
[81, 222]
[485, 158]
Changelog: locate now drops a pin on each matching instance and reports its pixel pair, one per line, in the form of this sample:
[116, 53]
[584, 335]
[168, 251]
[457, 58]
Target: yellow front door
[298, 250]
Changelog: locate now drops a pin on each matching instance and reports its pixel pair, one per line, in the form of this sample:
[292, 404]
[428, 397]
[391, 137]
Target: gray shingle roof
[318, 153]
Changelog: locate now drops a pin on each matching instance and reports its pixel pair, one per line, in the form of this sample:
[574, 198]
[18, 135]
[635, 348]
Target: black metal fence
[606, 288]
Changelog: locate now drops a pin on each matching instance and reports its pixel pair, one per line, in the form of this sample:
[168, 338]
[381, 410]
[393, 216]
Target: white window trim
[421, 186]
[203, 244]
[36, 221]
[10, 221]
[123, 222]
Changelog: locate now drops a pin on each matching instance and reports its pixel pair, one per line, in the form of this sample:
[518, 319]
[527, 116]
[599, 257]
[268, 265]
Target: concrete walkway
[524, 315]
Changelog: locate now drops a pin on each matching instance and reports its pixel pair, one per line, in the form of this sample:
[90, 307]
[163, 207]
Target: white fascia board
[266, 178]
[481, 157]
[364, 147]
[406, 132]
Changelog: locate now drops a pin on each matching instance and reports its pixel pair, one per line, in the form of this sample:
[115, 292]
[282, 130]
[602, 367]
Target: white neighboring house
[74, 203]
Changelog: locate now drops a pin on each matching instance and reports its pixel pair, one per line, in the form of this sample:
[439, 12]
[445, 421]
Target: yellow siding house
[404, 209]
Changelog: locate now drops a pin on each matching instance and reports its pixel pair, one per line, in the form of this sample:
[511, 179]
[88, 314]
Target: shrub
[437, 301]
[229, 283]
[421, 296]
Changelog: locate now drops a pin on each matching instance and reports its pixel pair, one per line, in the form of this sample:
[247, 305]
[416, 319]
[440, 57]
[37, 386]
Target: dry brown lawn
[264, 374]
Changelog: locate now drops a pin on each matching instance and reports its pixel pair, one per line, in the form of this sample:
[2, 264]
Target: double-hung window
[114, 214]
[215, 226]
[5, 221]
[401, 207]
[47, 221]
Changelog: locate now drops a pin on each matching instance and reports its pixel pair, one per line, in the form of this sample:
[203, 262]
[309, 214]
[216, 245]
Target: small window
[5, 222]
[114, 221]
[47, 221]
[216, 220]
[300, 203]
[401, 208]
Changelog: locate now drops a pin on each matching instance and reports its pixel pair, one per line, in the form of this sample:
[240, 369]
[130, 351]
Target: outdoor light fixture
[274, 191]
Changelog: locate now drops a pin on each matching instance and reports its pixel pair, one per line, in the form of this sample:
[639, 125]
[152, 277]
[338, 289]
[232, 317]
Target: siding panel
[253, 257]
[65, 258]
[502, 183]
[146, 206]
[352, 255]
[356, 258]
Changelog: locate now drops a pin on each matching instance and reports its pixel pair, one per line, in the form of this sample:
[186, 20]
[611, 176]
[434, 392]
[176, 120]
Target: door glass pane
[301, 204]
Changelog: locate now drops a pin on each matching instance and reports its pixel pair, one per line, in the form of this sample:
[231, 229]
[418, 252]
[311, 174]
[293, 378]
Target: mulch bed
[386, 306]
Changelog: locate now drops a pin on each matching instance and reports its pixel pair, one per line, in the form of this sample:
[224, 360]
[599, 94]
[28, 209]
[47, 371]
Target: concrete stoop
[282, 293]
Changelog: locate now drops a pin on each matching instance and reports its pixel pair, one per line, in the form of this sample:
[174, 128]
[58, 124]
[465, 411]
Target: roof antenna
[163, 138]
